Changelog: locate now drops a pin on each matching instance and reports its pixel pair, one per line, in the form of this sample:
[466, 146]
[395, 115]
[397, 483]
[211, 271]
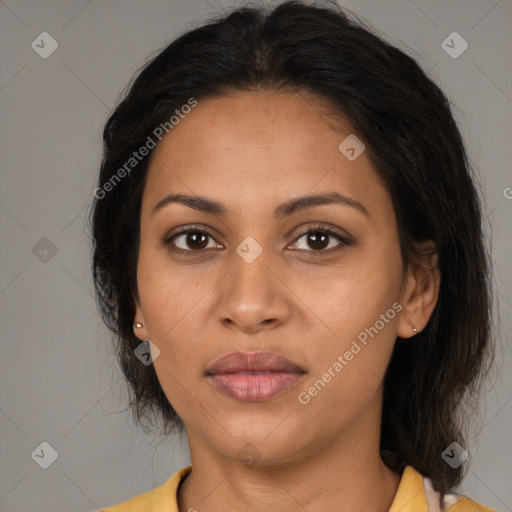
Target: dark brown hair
[411, 138]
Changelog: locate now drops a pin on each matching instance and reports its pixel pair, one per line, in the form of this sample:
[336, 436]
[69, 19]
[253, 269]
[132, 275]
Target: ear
[421, 292]
[141, 332]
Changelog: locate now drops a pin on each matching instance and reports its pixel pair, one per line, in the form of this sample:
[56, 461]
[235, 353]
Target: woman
[288, 248]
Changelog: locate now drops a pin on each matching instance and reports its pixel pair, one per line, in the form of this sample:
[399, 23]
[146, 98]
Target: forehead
[250, 147]
[254, 122]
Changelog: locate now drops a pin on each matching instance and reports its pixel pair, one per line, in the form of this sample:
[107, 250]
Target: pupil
[315, 238]
[194, 236]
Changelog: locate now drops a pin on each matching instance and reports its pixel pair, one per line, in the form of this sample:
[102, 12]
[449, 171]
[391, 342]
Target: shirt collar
[166, 496]
[410, 496]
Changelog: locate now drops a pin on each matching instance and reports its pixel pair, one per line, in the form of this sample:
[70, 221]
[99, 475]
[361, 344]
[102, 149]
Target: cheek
[166, 292]
[168, 305]
[360, 305]
[352, 296]
[349, 369]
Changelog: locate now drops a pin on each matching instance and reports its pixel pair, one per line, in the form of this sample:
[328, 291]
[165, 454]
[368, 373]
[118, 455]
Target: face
[248, 278]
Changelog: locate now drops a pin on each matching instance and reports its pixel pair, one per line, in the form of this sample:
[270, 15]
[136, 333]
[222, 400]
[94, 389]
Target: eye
[189, 240]
[193, 241]
[317, 238]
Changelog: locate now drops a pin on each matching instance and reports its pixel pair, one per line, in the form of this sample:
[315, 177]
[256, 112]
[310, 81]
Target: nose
[253, 295]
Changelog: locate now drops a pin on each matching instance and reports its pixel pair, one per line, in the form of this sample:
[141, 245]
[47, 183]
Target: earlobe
[420, 297]
[139, 324]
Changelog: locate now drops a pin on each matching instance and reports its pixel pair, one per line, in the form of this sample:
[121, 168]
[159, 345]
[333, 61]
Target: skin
[252, 151]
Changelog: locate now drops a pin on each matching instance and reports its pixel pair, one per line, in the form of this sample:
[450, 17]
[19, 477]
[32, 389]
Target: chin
[262, 446]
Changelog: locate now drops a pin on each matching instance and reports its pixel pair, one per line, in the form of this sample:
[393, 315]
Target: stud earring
[413, 327]
[138, 325]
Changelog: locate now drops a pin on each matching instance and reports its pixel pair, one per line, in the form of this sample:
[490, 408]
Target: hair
[416, 148]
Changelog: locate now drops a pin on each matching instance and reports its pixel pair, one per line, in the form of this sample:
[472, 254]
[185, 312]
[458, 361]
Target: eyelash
[312, 229]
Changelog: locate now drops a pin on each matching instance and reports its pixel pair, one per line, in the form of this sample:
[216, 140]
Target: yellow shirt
[414, 494]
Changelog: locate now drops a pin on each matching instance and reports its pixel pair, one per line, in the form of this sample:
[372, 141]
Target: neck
[348, 473]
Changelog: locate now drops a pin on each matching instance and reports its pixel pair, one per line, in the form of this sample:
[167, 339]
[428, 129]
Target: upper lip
[261, 361]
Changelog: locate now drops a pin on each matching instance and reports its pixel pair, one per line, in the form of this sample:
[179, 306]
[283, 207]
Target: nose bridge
[250, 276]
[252, 293]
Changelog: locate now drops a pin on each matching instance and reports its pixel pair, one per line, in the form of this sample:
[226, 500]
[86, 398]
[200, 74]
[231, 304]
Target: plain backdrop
[60, 383]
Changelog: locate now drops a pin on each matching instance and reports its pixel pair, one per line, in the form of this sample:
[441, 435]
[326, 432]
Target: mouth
[254, 376]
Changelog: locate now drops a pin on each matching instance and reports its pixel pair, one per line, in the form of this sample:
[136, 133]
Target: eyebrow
[205, 205]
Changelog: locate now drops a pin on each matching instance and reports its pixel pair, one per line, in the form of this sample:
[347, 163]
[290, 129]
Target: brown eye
[195, 240]
[189, 240]
[317, 239]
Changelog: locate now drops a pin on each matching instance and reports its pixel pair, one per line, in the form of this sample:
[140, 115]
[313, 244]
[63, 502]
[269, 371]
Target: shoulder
[464, 504]
[141, 502]
[416, 493]
[454, 502]
[162, 498]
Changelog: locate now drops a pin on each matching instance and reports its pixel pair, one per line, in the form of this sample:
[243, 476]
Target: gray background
[59, 380]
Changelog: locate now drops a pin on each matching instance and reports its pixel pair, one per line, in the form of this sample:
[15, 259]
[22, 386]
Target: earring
[138, 325]
[413, 327]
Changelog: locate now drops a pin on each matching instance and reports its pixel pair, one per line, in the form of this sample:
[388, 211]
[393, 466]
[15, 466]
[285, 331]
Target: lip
[254, 376]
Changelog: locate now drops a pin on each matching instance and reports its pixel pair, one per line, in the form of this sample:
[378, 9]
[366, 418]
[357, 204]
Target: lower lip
[255, 387]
